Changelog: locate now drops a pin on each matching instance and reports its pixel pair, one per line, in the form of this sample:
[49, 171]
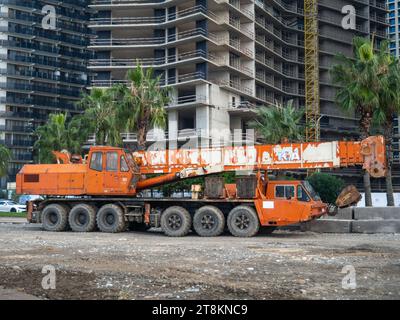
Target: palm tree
[145, 106]
[358, 90]
[279, 123]
[58, 134]
[51, 137]
[101, 114]
[5, 157]
[388, 107]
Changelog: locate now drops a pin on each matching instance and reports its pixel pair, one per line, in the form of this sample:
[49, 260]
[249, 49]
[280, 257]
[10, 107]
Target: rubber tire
[134, 226]
[217, 229]
[62, 218]
[13, 210]
[185, 218]
[254, 223]
[89, 211]
[119, 224]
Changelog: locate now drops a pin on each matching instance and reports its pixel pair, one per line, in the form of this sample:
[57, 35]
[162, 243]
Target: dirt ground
[131, 265]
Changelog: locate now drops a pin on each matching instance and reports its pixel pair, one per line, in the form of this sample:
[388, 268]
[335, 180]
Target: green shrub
[327, 186]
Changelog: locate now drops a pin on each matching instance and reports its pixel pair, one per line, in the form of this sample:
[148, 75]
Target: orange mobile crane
[104, 190]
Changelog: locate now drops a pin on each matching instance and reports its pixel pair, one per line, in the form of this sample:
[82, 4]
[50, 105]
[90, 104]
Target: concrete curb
[375, 226]
[392, 213]
[327, 226]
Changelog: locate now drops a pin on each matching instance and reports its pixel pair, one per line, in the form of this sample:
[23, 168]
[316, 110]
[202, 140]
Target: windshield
[314, 195]
[129, 158]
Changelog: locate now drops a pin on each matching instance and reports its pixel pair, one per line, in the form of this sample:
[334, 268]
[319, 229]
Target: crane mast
[311, 57]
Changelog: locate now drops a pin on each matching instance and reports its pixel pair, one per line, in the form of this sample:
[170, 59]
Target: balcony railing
[45, 103]
[39, 88]
[114, 62]
[23, 115]
[181, 78]
[189, 99]
[234, 85]
[152, 20]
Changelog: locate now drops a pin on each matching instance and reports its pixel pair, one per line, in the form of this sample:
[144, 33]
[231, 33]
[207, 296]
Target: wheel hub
[242, 221]
[110, 218]
[174, 221]
[81, 218]
[53, 217]
[207, 222]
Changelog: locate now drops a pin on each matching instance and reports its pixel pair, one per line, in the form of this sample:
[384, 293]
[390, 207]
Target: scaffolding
[311, 55]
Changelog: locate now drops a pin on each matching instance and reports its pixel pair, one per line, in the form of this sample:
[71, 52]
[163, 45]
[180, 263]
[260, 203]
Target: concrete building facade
[43, 61]
[224, 57]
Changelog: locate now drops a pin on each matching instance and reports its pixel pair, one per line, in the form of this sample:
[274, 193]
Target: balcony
[43, 61]
[236, 86]
[47, 103]
[17, 143]
[151, 20]
[40, 88]
[234, 65]
[173, 17]
[188, 100]
[148, 62]
[181, 78]
[34, 46]
[42, 75]
[23, 115]
[14, 128]
[34, 5]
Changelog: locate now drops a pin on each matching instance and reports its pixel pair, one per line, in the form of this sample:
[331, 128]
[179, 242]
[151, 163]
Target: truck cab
[286, 202]
[111, 171]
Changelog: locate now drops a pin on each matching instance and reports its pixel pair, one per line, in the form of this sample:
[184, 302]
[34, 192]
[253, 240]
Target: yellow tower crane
[311, 57]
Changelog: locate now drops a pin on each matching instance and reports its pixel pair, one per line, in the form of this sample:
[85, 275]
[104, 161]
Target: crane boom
[368, 153]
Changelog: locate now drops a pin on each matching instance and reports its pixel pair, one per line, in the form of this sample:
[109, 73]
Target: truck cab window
[302, 195]
[284, 192]
[124, 166]
[96, 162]
[112, 161]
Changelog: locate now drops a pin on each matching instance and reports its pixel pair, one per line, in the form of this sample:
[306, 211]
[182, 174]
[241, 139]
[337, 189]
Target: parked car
[25, 198]
[11, 206]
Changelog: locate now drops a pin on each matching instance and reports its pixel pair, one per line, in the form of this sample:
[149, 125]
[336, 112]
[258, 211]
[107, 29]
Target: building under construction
[226, 57]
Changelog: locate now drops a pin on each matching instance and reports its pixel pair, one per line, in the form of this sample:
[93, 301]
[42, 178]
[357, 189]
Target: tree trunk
[389, 187]
[389, 154]
[365, 125]
[142, 129]
[367, 189]
[141, 138]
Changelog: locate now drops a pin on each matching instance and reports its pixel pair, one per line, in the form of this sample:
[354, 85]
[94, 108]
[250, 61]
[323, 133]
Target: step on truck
[105, 191]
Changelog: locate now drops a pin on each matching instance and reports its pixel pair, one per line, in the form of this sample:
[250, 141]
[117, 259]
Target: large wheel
[209, 221]
[176, 221]
[82, 218]
[243, 221]
[55, 217]
[111, 219]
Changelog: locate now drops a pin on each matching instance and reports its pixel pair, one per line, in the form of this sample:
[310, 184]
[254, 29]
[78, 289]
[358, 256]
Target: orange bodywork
[369, 153]
[67, 179]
